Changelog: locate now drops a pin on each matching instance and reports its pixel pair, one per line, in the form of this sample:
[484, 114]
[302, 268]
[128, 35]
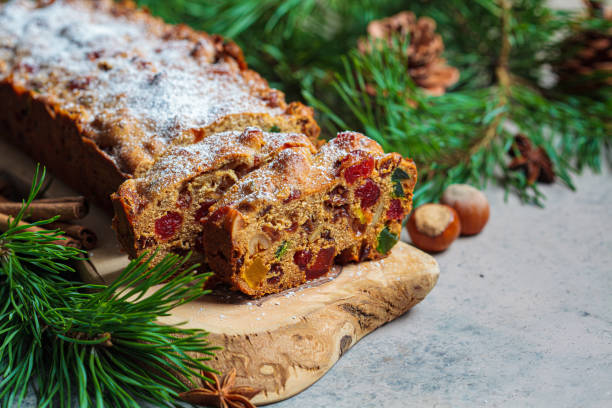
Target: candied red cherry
[395, 211]
[322, 263]
[368, 193]
[168, 225]
[302, 258]
[363, 167]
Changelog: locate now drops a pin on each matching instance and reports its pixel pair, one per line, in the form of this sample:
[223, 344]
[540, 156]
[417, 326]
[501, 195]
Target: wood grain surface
[283, 343]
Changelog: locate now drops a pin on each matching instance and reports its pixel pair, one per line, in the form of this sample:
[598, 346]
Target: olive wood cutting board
[283, 343]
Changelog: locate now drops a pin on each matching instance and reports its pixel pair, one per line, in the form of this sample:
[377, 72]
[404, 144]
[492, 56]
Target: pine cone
[424, 49]
[586, 57]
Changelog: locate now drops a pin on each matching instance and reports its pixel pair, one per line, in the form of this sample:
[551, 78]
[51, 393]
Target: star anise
[221, 393]
[534, 161]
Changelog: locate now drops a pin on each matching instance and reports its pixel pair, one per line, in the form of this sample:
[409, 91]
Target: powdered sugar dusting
[295, 170]
[252, 147]
[132, 89]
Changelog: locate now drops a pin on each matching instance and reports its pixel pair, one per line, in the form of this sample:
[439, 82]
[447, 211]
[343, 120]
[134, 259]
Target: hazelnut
[471, 205]
[433, 227]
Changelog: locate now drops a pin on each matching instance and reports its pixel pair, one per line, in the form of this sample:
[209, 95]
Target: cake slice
[93, 89]
[161, 207]
[288, 221]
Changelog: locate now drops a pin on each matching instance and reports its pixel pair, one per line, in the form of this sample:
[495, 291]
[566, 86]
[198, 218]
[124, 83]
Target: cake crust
[113, 87]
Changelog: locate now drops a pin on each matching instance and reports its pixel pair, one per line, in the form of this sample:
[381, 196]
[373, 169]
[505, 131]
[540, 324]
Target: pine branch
[101, 343]
[501, 49]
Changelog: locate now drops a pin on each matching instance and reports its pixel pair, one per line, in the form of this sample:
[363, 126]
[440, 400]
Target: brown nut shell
[471, 205]
[433, 227]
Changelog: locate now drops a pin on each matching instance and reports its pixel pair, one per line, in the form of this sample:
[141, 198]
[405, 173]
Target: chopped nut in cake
[163, 205]
[291, 219]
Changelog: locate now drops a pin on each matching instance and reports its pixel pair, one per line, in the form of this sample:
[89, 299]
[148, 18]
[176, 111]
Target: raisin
[275, 274]
[338, 196]
[302, 258]
[358, 227]
[264, 210]
[364, 252]
[388, 163]
[308, 226]
[395, 211]
[273, 280]
[203, 210]
[226, 182]
[271, 232]
[293, 227]
[240, 262]
[184, 198]
[322, 263]
[145, 242]
[359, 170]
[346, 256]
[327, 235]
[167, 226]
[368, 193]
[339, 213]
[245, 207]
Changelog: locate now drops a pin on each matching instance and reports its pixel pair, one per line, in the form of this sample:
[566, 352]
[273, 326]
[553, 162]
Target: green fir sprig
[99, 343]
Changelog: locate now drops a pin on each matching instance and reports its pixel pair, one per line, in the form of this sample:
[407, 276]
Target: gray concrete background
[521, 317]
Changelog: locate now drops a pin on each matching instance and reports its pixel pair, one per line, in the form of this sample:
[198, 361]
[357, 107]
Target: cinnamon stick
[84, 235]
[67, 241]
[68, 208]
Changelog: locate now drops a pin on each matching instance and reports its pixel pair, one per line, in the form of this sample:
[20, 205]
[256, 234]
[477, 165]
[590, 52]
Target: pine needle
[100, 343]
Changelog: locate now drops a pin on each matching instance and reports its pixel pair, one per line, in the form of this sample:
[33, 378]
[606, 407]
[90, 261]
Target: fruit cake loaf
[94, 88]
[162, 205]
[289, 220]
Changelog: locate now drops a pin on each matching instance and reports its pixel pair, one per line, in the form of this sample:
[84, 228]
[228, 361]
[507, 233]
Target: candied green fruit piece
[397, 177]
[282, 250]
[386, 241]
